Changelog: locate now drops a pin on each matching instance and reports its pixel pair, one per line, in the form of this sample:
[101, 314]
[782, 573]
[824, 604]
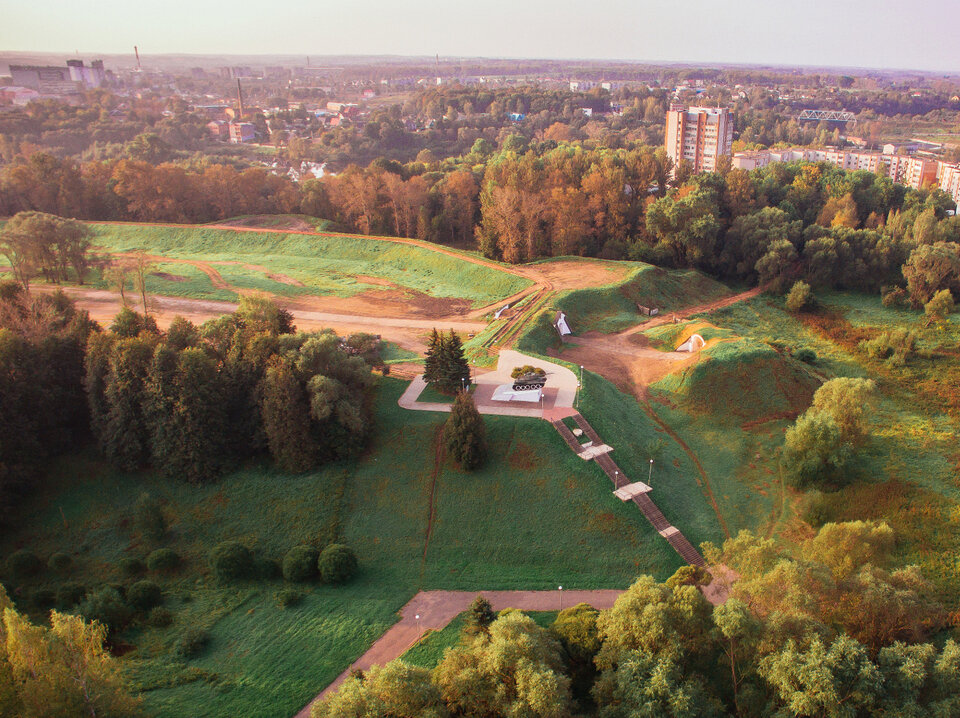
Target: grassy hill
[613, 308]
[536, 516]
[323, 265]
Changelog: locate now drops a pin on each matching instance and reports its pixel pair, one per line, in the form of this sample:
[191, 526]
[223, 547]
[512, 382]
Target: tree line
[833, 629]
[190, 402]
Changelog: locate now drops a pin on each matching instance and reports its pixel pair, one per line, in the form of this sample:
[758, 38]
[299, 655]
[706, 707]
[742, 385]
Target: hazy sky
[864, 33]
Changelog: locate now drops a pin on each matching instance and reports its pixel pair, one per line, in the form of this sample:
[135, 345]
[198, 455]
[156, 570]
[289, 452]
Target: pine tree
[454, 368]
[431, 365]
[464, 433]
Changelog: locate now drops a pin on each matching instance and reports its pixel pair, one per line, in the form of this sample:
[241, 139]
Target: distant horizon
[360, 58]
[862, 34]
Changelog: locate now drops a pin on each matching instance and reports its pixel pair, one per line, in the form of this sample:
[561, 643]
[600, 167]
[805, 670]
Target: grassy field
[614, 307]
[324, 265]
[534, 517]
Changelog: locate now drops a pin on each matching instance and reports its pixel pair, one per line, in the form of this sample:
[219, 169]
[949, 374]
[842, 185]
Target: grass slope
[325, 265]
[536, 516]
[614, 307]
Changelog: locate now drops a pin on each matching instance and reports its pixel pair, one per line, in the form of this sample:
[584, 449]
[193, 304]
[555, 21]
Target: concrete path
[558, 394]
[437, 608]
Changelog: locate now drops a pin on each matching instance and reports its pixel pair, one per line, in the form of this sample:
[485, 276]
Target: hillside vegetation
[324, 265]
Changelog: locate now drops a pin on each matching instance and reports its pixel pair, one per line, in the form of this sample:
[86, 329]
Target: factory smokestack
[137, 53]
[239, 100]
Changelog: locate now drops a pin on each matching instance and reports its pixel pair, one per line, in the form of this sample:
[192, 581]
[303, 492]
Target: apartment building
[699, 135]
[912, 171]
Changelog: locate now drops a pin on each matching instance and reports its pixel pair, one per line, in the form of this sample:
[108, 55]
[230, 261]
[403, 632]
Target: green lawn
[325, 265]
[534, 517]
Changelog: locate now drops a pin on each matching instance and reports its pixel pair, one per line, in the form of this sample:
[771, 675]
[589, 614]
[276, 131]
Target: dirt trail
[690, 311]
[204, 267]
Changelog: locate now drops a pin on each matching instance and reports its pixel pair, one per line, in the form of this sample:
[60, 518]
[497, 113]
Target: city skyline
[698, 31]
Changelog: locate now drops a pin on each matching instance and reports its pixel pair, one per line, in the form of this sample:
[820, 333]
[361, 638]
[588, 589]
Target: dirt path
[437, 608]
[407, 333]
[215, 278]
[699, 309]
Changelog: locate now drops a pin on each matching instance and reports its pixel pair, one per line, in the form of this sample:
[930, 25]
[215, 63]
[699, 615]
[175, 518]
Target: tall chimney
[239, 99]
[137, 53]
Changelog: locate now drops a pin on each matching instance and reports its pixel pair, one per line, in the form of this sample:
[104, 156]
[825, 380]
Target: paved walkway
[643, 501]
[558, 394]
[437, 608]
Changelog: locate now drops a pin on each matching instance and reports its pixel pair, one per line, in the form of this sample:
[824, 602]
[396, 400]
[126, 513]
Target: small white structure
[560, 324]
[501, 310]
[693, 344]
[506, 392]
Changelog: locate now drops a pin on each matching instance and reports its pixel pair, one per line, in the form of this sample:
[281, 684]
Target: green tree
[814, 451]
[846, 400]
[481, 616]
[454, 370]
[397, 689]
[431, 364]
[464, 433]
[286, 418]
[930, 268]
[835, 681]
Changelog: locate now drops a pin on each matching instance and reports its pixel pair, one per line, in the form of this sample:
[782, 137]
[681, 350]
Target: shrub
[288, 597]
[799, 298]
[59, 562]
[300, 563]
[148, 518]
[107, 606]
[689, 576]
[160, 617]
[23, 564]
[69, 594]
[807, 356]
[814, 451]
[895, 346]
[939, 307]
[163, 559]
[231, 560]
[894, 297]
[337, 563]
[131, 566]
[43, 599]
[144, 595]
[817, 509]
[192, 642]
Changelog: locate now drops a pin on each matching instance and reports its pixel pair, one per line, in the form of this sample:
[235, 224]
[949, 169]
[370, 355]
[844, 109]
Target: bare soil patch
[573, 274]
[269, 221]
[169, 277]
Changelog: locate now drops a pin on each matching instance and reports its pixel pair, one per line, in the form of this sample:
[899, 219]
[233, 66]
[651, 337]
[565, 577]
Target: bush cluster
[192, 643]
[231, 560]
[163, 559]
[300, 564]
[337, 564]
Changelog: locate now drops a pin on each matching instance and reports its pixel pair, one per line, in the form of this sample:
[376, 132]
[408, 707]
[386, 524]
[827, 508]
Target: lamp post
[418, 627]
[560, 590]
[579, 387]
[616, 479]
[650, 476]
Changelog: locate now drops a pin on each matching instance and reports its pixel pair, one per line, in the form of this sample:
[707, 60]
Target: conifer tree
[454, 368]
[465, 434]
[431, 365]
[286, 418]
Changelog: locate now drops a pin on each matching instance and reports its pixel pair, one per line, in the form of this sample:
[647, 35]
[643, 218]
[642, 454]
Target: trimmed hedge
[300, 564]
[337, 563]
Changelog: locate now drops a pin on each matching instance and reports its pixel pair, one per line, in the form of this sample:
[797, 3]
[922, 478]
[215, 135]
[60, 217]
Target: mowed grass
[614, 307]
[534, 517]
[325, 265]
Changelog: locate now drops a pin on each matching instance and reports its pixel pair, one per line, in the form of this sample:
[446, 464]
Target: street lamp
[418, 626]
[560, 589]
[650, 477]
[616, 479]
[579, 387]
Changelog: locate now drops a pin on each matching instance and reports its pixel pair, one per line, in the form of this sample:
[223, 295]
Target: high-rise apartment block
[699, 135]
